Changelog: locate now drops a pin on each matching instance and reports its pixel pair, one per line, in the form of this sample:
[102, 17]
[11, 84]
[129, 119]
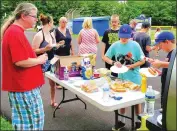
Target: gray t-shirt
[144, 40]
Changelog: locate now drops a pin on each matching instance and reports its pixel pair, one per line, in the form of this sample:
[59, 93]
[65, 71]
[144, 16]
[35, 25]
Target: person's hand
[118, 64]
[42, 58]
[156, 63]
[150, 60]
[61, 43]
[72, 52]
[48, 47]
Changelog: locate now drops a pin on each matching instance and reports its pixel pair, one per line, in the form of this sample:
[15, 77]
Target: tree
[162, 12]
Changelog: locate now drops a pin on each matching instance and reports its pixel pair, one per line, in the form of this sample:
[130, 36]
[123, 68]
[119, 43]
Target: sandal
[54, 104]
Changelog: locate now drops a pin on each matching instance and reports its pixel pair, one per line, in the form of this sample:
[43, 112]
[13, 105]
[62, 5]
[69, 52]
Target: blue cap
[164, 36]
[125, 31]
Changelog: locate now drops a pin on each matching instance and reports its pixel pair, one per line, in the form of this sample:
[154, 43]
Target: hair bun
[42, 17]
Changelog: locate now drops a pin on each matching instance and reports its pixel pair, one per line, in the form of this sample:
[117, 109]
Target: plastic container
[149, 101]
[106, 92]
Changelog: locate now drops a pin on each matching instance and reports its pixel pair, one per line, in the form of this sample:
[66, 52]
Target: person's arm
[32, 61]
[72, 49]
[148, 44]
[60, 43]
[159, 64]
[104, 41]
[79, 39]
[139, 63]
[108, 55]
[103, 50]
[36, 43]
[97, 37]
[107, 60]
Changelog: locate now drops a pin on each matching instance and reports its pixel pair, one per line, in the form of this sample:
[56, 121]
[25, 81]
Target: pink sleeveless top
[88, 42]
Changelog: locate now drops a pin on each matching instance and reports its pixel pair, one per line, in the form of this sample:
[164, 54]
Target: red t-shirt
[15, 47]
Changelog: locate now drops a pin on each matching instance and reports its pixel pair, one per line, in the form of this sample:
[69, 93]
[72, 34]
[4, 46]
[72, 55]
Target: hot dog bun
[118, 87]
[152, 71]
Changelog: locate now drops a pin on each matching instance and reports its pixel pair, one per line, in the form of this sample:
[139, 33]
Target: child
[166, 42]
[121, 49]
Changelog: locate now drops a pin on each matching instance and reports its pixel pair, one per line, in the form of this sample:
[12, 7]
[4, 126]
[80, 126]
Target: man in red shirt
[21, 70]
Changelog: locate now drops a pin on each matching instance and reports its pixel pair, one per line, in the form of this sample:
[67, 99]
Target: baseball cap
[164, 36]
[125, 31]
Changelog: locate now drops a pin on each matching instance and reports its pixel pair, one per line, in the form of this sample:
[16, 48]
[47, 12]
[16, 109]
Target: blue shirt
[121, 52]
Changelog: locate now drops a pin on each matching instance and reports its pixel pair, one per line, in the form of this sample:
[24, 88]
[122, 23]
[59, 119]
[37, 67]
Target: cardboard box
[62, 61]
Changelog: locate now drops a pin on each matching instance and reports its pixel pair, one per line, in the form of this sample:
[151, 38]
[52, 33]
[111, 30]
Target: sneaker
[120, 126]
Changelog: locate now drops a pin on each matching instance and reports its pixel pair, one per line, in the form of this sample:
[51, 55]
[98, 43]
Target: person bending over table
[121, 49]
[166, 42]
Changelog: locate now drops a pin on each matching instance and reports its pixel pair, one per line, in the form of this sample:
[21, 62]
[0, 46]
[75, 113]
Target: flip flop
[54, 104]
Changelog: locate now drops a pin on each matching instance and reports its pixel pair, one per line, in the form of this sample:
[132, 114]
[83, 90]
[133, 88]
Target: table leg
[116, 119]
[63, 89]
[65, 101]
[133, 121]
[82, 101]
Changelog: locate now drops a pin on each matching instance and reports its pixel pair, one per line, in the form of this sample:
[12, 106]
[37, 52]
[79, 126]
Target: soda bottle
[149, 101]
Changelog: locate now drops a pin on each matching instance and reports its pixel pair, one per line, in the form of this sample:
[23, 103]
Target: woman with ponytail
[22, 75]
[42, 43]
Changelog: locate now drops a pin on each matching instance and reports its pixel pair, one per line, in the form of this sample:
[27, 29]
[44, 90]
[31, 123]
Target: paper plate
[78, 83]
[147, 73]
[115, 69]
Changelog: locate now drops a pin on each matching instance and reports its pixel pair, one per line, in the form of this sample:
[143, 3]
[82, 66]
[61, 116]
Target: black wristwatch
[113, 62]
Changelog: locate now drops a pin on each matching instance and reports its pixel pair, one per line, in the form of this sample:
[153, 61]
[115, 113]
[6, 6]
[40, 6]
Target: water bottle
[106, 92]
[66, 73]
[149, 101]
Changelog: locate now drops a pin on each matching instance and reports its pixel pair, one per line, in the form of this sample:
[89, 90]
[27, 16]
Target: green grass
[153, 33]
[5, 125]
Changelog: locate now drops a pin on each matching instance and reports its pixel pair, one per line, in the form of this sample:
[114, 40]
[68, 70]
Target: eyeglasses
[34, 16]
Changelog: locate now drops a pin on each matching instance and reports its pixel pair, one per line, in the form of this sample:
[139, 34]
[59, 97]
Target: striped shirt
[88, 41]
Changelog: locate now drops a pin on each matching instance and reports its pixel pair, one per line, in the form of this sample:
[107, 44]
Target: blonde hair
[115, 16]
[87, 24]
[62, 18]
[22, 8]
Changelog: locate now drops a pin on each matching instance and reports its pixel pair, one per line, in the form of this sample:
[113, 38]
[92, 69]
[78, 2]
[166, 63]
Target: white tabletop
[129, 98]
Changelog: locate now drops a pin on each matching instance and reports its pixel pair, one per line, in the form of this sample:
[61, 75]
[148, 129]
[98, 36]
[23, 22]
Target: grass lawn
[5, 125]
